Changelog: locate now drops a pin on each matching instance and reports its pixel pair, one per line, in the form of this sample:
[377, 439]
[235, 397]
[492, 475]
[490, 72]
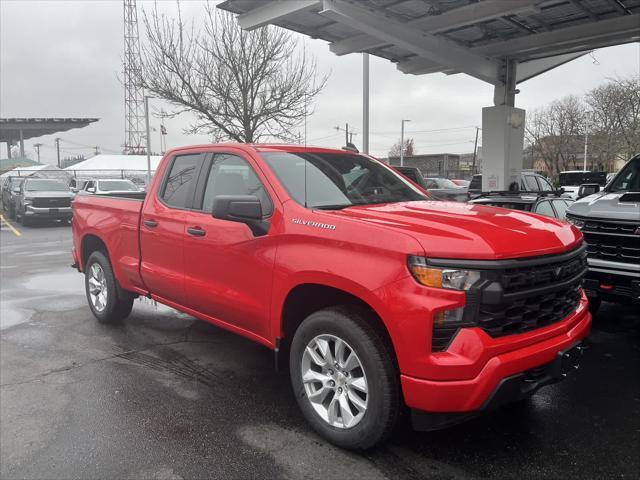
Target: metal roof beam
[533, 68]
[584, 9]
[579, 38]
[456, 18]
[433, 48]
[272, 12]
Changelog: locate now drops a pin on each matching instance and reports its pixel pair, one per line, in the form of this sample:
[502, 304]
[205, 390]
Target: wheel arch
[91, 243]
[305, 298]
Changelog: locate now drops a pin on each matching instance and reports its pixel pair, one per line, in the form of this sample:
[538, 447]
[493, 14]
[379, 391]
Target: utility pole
[146, 122]
[58, 150]
[475, 153]
[97, 149]
[402, 142]
[346, 134]
[37, 147]
[586, 149]
[365, 103]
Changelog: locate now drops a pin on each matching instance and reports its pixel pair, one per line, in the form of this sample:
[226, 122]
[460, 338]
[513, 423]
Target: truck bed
[116, 220]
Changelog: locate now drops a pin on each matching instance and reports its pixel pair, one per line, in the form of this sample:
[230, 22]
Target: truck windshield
[628, 180]
[45, 186]
[116, 185]
[339, 180]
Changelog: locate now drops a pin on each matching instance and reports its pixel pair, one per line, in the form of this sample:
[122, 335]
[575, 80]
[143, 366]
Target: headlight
[454, 279]
[28, 201]
[576, 222]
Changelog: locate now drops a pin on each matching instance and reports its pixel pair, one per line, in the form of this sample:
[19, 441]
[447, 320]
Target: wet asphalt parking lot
[166, 396]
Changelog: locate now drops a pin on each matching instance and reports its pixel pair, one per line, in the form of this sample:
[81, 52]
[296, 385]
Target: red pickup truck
[382, 300]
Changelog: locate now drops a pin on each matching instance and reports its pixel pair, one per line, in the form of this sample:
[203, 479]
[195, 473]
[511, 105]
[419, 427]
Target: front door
[228, 270]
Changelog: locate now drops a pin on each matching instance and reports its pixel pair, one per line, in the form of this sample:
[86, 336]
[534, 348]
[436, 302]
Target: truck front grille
[615, 241]
[518, 296]
[51, 202]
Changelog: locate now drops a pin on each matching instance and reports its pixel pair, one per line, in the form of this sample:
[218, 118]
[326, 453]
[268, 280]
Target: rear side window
[232, 175]
[561, 207]
[476, 183]
[181, 181]
[545, 186]
[544, 208]
[530, 184]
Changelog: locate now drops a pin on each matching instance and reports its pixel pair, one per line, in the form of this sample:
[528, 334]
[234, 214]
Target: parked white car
[109, 186]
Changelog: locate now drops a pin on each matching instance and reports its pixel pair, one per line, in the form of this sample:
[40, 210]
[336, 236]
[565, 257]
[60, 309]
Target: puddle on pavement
[11, 315]
[68, 281]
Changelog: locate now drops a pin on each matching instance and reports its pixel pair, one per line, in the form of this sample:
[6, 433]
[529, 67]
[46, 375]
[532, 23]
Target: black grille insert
[51, 202]
[614, 241]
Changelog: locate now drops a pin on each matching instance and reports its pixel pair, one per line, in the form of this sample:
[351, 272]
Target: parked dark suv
[10, 186]
[43, 198]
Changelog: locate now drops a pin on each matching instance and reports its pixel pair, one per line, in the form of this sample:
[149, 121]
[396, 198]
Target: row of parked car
[535, 194]
[28, 199]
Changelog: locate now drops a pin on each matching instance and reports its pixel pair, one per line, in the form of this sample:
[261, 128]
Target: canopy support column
[503, 134]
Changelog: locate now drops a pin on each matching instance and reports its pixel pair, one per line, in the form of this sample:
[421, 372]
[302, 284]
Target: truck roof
[264, 147]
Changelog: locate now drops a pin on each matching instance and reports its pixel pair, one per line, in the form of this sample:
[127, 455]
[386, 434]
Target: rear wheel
[12, 212]
[344, 378]
[107, 302]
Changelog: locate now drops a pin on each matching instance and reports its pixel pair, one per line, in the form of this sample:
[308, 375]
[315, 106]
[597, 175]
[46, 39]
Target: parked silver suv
[610, 222]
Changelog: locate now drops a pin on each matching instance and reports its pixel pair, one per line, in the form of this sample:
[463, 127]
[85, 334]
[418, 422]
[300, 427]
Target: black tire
[594, 305]
[352, 325]
[12, 212]
[118, 304]
[26, 221]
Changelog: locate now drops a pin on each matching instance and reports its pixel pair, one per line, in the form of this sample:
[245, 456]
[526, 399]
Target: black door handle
[196, 231]
[150, 223]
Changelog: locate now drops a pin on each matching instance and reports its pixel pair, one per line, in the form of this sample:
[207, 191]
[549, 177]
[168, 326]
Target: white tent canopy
[41, 170]
[116, 162]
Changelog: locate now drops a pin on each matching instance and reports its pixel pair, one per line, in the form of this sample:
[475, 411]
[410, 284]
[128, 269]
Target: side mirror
[91, 189]
[245, 209]
[588, 189]
[74, 189]
[15, 189]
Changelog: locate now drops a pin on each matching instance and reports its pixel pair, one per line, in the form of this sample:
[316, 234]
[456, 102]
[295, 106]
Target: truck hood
[607, 206]
[460, 230]
[45, 194]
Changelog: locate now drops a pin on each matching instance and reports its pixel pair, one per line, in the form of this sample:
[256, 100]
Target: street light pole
[402, 142]
[146, 121]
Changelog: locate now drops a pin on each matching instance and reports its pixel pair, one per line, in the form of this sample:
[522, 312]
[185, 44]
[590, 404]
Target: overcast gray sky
[63, 59]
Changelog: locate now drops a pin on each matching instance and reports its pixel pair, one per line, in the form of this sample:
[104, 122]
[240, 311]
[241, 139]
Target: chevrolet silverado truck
[381, 301]
[610, 222]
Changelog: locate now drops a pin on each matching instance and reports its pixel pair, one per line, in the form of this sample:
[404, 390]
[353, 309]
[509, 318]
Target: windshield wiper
[332, 207]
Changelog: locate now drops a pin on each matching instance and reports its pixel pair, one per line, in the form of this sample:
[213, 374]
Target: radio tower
[133, 94]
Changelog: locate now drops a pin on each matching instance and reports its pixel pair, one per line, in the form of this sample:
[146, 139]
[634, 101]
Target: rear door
[162, 228]
[228, 269]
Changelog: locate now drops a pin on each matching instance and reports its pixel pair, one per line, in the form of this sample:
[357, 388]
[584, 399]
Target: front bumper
[612, 285]
[471, 394]
[510, 389]
[39, 212]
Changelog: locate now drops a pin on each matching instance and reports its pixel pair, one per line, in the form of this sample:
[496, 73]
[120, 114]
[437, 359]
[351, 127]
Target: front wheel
[107, 302]
[345, 378]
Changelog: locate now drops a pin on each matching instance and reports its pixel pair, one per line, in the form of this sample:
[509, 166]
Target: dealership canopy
[21, 129]
[502, 42]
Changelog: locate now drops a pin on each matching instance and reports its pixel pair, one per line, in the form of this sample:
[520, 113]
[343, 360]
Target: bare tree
[241, 86]
[615, 108]
[610, 116]
[554, 134]
[408, 151]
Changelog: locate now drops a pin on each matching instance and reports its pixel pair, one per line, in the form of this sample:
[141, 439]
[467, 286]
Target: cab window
[179, 184]
[232, 175]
